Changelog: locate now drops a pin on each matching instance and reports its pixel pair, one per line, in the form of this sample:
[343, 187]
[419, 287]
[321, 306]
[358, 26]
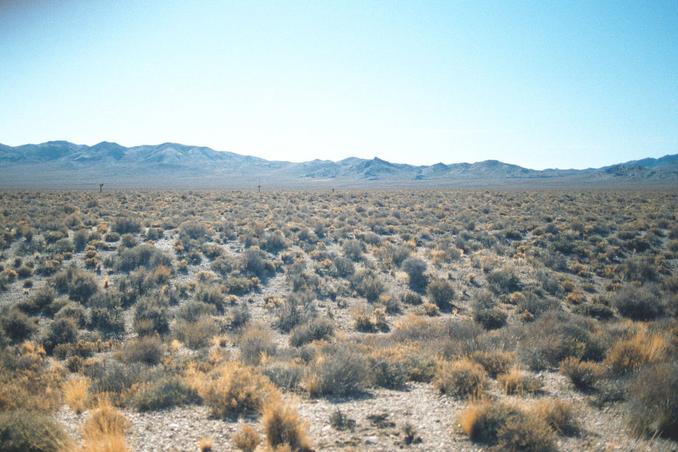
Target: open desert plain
[344, 320]
[321, 225]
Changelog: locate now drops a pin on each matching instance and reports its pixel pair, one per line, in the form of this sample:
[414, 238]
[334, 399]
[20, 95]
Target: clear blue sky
[541, 84]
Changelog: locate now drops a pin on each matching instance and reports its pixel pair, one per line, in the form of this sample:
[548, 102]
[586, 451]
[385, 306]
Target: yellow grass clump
[284, 428]
[232, 389]
[247, 439]
[631, 354]
[76, 393]
[105, 429]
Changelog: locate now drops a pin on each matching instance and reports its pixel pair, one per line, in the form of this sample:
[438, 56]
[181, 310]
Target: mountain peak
[167, 164]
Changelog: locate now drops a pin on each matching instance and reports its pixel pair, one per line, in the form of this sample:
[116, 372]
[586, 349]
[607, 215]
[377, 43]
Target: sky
[544, 84]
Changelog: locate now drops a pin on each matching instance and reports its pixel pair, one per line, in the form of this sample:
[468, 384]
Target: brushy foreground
[526, 313]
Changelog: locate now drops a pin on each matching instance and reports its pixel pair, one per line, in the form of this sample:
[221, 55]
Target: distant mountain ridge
[61, 163]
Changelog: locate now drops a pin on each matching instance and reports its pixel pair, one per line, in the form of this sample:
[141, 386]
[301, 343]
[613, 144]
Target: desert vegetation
[438, 320]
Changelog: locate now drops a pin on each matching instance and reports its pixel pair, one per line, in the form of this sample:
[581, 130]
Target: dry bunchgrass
[34, 386]
[461, 378]
[631, 354]
[582, 374]
[558, 414]
[232, 389]
[494, 362]
[284, 428]
[506, 426]
[105, 429]
[519, 382]
[76, 393]
[246, 439]
[205, 445]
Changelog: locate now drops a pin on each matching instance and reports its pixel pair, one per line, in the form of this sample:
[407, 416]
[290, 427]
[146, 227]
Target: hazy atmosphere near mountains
[298, 226]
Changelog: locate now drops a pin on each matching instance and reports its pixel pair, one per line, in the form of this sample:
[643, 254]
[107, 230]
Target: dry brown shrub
[76, 393]
[284, 428]
[461, 378]
[233, 389]
[507, 426]
[582, 374]
[558, 414]
[631, 354]
[33, 386]
[519, 382]
[247, 439]
[494, 362]
[105, 429]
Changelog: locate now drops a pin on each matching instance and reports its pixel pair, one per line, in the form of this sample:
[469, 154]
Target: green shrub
[151, 316]
[556, 336]
[638, 303]
[411, 298]
[368, 285]
[60, 331]
[415, 269]
[143, 255]
[255, 263]
[582, 374]
[79, 284]
[17, 326]
[653, 401]
[598, 311]
[40, 302]
[255, 342]
[285, 375]
[114, 377]
[147, 350]
[494, 362]
[106, 314]
[193, 310]
[28, 431]
[353, 249]
[295, 310]
[166, 393]
[387, 373]
[503, 281]
[342, 370]
[213, 296]
[441, 293]
[80, 240]
[196, 334]
[314, 330]
[124, 225]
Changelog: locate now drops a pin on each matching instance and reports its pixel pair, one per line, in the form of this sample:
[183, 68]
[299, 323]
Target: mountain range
[61, 164]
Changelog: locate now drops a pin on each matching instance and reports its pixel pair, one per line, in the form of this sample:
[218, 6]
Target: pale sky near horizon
[568, 84]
